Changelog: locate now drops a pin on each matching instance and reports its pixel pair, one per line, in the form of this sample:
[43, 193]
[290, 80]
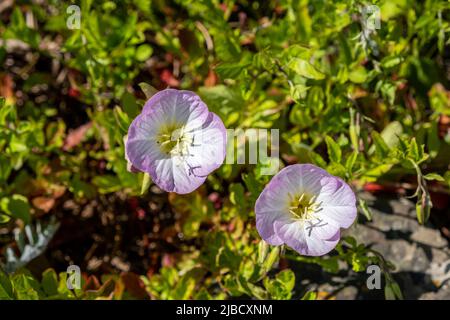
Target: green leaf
[6, 288]
[107, 183]
[423, 207]
[146, 181]
[434, 176]
[392, 290]
[376, 172]
[130, 106]
[143, 52]
[389, 293]
[391, 133]
[350, 162]
[232, 70]
[263, 250]
[122, 119]
[273, 256]
[148, 90]
[396, 289]
[365, 209]
[26, 287]
[298, 91]
[414, 151]
[305, 69]
[334, 150]
[358, 75]
[17, 207]
[391, 61]
[310, 295]
[380, 146]
[433, 140]
[50, 282]
[4, 218]
[184, 288]
[287, 277]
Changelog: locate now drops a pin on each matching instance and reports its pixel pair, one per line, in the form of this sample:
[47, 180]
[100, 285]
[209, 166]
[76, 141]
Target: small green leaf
[148, 90]
[17, 207]
[237, 194]
[272, 257]
[26, 287]
[358, 75]
[263, 250]
[434, 176]
[423, 207]
[287, 277]
[365, 209]
[231, 70]
[389, 293]
[146, 181]
[392, 290]
[396, 289]
[380, 145]
[6, 289]
[122, 119]
[350, 162]
[414, 151]
[129, 106]
[391, 133]
[4, 218]
[50, 282]
[143, 52]
[310, 295]
[391, 61]
[305, 69]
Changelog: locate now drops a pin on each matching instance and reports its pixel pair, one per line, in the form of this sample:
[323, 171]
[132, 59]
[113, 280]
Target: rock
[420, 253]
[365, 234]
[439, 272]
[442, 294]
[348, 293]
[430, 237]
[403, 207]
[391, 222]
[404, 255]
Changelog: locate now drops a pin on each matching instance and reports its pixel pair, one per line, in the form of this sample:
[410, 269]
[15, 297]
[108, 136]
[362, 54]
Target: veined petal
[208, 147]
[266, 228]
[309, 177]
[343, 215]
[319, 247]
[338, 201]
[141, 147]
[277, 195]
[180, 107]
[321, 228]
[173, 175]
[291, 232]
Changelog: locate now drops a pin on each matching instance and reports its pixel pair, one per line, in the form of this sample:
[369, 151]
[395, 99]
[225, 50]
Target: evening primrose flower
[176, 140]
[304, 207]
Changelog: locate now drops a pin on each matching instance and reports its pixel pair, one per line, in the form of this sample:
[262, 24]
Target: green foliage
[368, 107]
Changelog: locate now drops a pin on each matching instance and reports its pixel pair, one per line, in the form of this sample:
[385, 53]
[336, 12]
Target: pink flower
[176, 140]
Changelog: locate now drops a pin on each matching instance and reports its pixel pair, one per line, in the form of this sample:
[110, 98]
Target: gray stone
[404, 255]
[365, 234]
[442, 294]
[403, 207]
[391, 222]
[430, 237]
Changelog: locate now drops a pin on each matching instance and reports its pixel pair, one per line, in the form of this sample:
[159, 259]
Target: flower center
[173, 140]
[305, 207]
